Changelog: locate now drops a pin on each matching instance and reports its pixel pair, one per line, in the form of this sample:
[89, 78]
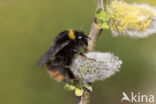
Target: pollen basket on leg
[71, 35]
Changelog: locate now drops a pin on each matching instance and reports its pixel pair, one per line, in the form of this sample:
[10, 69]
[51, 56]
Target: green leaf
[89, 87]
[105, 16]
[102, 18]
[69, 87]
[101, 14]
[98, 12]
[79, 91]
[105, 25]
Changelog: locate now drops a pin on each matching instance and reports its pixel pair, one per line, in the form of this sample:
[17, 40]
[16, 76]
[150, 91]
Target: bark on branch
[94, 33]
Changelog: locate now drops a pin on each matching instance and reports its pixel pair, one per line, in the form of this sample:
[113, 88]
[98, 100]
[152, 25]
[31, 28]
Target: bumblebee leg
[81, 54]
[69, 72]
[86, 48]
[71, 77]
[61, 73]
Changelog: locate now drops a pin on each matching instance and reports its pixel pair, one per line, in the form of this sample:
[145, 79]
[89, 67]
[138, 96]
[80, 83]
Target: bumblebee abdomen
[56, 74]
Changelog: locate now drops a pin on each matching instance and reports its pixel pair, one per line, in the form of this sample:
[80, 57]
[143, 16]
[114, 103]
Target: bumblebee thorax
[71, 35]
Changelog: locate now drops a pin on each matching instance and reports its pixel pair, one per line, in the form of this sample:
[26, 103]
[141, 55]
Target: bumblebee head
[78, 37]
[82, 38]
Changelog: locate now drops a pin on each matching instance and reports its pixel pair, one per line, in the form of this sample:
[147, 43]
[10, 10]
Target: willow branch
[94, 33]
[95, 29]
[85, 97]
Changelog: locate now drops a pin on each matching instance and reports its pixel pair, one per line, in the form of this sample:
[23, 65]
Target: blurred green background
[27, 29]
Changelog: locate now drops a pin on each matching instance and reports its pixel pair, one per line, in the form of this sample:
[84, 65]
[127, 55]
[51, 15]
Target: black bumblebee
[60, 55]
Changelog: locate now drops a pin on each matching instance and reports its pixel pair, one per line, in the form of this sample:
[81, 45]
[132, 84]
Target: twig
[94, 33]
[95, 29]
[85, 97]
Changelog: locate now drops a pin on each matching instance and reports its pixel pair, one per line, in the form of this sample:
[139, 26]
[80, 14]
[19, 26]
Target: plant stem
[95, 29]
[94, 33]
[85, 97]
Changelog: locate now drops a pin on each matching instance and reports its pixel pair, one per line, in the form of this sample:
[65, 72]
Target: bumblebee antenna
[81, 28]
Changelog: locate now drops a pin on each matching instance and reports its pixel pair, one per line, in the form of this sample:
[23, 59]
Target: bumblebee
[60, 55]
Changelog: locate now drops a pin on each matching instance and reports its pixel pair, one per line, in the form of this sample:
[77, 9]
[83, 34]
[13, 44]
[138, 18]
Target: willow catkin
[104, 66]
[134, 20]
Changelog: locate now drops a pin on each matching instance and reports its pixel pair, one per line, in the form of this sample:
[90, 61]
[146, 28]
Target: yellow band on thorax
[71, 35]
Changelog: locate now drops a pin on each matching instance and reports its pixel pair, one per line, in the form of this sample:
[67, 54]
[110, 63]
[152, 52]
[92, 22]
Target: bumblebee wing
[52, 51]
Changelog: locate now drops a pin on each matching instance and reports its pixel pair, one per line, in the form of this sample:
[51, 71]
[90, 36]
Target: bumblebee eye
[80, 37]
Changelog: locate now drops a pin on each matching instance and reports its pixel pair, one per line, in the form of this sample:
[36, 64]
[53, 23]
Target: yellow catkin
[125, 16]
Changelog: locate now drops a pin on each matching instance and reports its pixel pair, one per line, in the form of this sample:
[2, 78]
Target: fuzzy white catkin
[133, 20]
[104, 66]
